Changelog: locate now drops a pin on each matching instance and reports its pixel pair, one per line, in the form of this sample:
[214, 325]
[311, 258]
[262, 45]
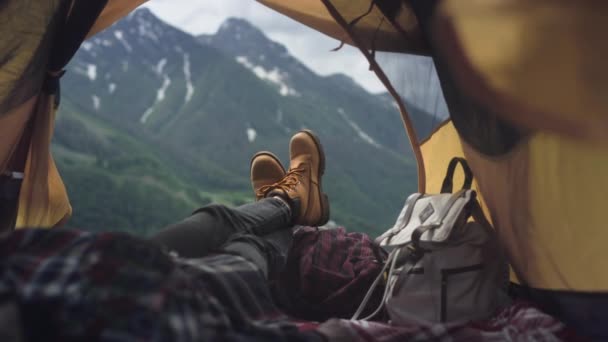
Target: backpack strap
[77, 19]
[403, 256]
[447, 186]
[389, 265]
[479, 215]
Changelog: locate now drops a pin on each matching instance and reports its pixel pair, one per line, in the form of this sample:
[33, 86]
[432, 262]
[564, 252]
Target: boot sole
[323, 196]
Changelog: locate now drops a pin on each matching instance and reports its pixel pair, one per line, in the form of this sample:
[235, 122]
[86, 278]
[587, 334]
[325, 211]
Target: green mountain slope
[155, 123]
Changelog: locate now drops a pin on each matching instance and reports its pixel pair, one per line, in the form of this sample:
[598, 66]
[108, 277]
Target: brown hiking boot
[301, 186]
[266, 169]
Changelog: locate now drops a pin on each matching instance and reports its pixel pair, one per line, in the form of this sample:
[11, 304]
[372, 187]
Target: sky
[309, 46]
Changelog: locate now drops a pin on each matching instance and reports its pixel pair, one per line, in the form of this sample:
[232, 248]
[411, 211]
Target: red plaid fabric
[75, 286]
[518, 322]
[328, 273]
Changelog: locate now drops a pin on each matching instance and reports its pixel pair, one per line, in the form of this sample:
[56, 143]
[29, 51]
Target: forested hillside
[155, 123]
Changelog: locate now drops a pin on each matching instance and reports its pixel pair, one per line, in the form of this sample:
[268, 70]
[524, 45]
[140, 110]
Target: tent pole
[407, 122]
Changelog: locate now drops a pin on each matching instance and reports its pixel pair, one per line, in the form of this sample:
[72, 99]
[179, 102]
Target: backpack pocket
[460, 292]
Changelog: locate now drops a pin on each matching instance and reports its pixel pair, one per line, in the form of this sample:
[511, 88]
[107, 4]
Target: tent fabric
[540, 182]
[548, 70]
[539, 154]
[43, 200]
[416, 82]
[27, 27]
[437, 152]
[114, 11]
[310, 13]
[546, 200]
[373, 30]
[407, 119]
[22, 74]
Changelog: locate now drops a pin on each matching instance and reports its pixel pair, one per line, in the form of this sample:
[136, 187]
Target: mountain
[155, 123]
[250, 47]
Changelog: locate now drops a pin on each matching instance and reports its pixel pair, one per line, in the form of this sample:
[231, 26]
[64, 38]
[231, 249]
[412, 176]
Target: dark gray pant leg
[211, 227]
[268, 252]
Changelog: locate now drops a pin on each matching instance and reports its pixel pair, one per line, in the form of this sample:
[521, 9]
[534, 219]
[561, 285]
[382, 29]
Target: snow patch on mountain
[188, 75]
[251, 134]
[96, 102]
[279, 116]
[366, 137]
[86, 70]
[161, 66]
[274, 76]
[111, 88]
[92, 72]
[120, 36]
[145, 29]
[280, 120]
[160, 94]
[146, 115]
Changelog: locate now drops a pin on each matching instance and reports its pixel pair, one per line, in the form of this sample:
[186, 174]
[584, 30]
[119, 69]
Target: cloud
[309, 46]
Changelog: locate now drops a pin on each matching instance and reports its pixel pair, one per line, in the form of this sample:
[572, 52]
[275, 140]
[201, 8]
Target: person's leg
[210, 227]
[297, 198]
[268, 252]
[301, 188]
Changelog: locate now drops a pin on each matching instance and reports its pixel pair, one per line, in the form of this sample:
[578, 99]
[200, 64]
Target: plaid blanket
[328, 272]
[518, 322]
[71, 285]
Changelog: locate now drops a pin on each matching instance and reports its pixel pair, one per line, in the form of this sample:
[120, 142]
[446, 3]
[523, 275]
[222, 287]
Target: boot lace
[289, 182]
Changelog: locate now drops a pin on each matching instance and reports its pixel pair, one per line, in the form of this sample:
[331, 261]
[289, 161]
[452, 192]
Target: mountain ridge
[184, 114]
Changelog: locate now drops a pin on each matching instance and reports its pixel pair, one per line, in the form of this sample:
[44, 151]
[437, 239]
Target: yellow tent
[525, 83]
[39, 31]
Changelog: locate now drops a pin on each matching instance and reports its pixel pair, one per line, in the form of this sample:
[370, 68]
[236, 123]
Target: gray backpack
[441, 267]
